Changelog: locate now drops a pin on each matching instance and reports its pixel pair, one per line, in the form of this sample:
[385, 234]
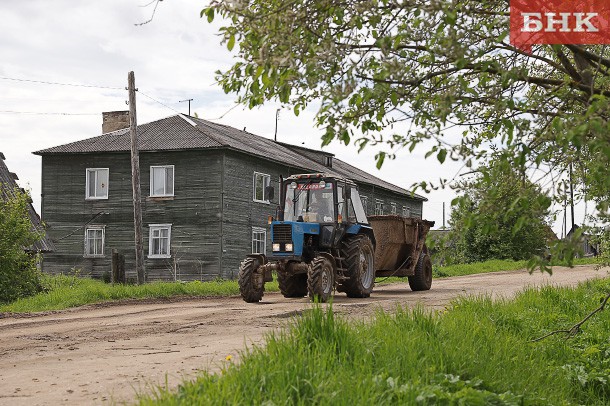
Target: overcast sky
[174, 57]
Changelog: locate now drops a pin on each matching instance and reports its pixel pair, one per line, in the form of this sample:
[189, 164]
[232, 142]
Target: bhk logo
[559, 22]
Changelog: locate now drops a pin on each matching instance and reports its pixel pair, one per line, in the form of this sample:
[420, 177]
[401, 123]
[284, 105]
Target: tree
[440, 67]
[441, 74]
[506, 221]
[19, 276]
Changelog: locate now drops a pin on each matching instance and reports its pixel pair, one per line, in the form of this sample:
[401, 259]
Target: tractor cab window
[309, 201]
[356, 204]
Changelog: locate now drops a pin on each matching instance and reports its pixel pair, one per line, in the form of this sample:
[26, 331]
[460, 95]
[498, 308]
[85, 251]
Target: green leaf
[231, 42]
[442, 154]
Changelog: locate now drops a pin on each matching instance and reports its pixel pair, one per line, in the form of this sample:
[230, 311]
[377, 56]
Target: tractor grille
[282, 233]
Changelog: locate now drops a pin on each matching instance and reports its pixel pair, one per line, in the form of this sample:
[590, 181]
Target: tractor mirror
[269, 193]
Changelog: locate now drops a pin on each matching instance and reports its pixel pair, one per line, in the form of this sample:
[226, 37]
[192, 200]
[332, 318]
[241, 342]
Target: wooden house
[202, 188]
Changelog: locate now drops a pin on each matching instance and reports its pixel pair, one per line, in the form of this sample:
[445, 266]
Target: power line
[38, 113]
[60, 83]
[157, 101]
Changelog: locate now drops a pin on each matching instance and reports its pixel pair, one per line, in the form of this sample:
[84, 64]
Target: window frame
[379, 207]
[151, 189]
[365, 203]
[406, 211]
[87, 170]
[93, 227]
[153, 227]
[265, 184]
[393, 208]
[263, 231]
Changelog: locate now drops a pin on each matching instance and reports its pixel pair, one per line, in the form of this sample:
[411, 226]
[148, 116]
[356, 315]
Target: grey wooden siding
[374, 193]
[193, 212]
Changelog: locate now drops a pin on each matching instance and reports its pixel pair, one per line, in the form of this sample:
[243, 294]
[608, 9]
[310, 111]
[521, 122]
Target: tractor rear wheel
[422, 280]
[292, 285]
[359, 259]
[251, 284]
[320, 279]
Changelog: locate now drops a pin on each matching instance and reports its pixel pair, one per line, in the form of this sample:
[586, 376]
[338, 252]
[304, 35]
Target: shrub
[19, 276]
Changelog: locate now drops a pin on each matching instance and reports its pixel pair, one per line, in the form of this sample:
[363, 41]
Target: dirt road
[102, 354]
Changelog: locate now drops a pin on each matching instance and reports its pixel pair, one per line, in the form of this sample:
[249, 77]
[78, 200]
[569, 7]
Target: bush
[19, 276]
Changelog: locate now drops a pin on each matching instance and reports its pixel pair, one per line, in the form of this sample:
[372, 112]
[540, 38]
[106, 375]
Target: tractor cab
[316, 211]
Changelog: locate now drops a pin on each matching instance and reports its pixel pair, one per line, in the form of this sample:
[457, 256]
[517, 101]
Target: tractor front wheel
[320, 279]
[251, 284]
[292, 285]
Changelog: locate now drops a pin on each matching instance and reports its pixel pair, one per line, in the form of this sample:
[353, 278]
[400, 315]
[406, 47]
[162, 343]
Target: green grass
[62, 292]
[478, 352]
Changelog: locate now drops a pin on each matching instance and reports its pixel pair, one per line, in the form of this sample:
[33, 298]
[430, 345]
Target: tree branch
[572, 331]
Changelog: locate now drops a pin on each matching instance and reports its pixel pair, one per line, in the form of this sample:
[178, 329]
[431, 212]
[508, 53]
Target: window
[162, 180]
[259, 240]
[378, 207]
[159, 240]
[365, 201]
[261, 181]
[97, 183]
[94, 241]
[393, 207]
[406, 211]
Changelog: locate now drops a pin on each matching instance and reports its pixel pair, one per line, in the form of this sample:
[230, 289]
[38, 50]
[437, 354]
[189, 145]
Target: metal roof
[8, 185]
[180, 132]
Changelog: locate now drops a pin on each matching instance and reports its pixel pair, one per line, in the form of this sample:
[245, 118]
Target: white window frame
[378, 207]
[365, 203]
[96, 170]
[165, 194]
[266, 183]
[101, 228]
[255, 231]
[406, 211]
[393, 209]
[151, 229]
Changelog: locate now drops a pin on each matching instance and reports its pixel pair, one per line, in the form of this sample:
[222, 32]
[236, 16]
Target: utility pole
[277, 115]
[135, 179]
[187, 100]
[571, 196]
[443, 215]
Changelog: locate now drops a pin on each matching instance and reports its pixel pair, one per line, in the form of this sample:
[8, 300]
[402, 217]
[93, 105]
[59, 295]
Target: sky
[94, 44]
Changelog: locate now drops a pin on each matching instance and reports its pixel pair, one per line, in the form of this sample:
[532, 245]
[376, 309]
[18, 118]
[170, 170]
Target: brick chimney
[114, 120]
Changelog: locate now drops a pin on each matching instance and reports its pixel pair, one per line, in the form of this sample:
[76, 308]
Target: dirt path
[102, 354]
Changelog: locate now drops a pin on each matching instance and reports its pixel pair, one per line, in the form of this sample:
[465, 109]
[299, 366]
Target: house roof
[8, 185]
[181, 132]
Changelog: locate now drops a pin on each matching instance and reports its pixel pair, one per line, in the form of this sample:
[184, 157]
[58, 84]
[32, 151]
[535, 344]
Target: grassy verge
[63, 292]
[476, 353]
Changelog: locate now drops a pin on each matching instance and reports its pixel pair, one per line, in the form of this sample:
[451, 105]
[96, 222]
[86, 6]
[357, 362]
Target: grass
[62, 292]
[478, 352]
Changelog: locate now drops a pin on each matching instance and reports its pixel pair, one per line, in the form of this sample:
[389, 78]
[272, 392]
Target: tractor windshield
[310, 202]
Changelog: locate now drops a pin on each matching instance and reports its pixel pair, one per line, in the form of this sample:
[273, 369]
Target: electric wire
[60, 83]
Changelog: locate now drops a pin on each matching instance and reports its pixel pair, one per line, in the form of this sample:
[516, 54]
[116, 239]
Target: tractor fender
[262, 260]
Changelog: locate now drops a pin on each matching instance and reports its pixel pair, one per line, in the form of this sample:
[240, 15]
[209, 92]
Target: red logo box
[559, 22]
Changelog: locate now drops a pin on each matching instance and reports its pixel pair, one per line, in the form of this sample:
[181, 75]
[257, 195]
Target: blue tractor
[322, 241]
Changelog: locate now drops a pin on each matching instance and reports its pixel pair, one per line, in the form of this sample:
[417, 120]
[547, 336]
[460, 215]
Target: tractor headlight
[276, 246]
[289, 246]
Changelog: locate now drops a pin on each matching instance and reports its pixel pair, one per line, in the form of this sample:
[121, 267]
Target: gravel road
[104, 354]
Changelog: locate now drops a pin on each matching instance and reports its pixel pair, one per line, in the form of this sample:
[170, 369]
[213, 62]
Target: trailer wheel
[359, 259]
[320, 279]
[422, 280]
[292, 285]
[251, 285]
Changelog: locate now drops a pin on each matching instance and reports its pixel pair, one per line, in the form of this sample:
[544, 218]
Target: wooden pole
[135, 180]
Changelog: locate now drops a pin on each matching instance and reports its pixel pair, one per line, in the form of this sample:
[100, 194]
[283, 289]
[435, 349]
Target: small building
[8, 186]
[203, 201]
